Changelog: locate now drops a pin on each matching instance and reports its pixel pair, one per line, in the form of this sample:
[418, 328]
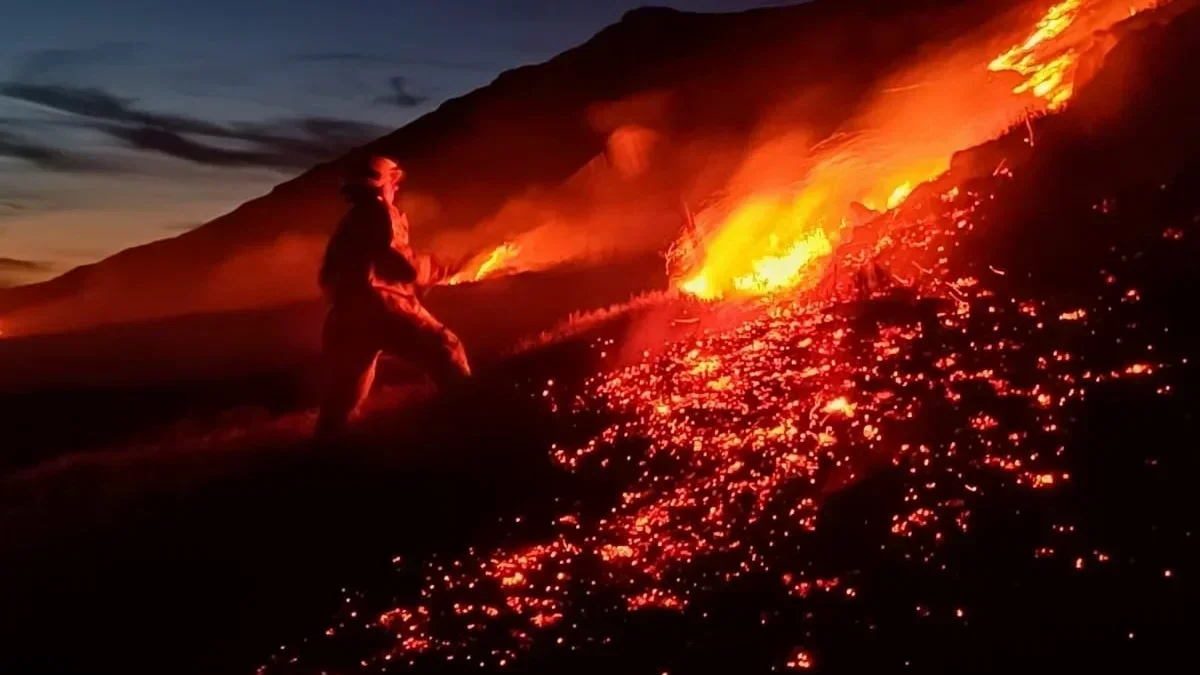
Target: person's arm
[434, 272]
[390, 262]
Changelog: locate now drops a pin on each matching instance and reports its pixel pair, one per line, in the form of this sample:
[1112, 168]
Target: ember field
[967, 446]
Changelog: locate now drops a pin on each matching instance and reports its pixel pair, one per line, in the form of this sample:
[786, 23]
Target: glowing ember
[840, 405]
[800, 660]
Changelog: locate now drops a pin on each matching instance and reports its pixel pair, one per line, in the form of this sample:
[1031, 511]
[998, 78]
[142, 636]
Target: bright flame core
[726, 267]
[899, 195]
[496, 260]
[494, 263]
[782, 271]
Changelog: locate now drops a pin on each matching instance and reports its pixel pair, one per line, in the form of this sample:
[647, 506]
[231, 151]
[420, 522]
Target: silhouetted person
[371, 279]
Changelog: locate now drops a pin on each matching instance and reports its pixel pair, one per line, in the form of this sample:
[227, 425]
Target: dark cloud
[14, 271]
[401, 96]
[167, 142]
[338, 57]
[381, 60]
[18, 265]
[101, 105]
[43, 156]
[281, 144]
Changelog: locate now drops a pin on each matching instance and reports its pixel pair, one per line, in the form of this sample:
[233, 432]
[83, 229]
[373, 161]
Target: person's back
[363, 254]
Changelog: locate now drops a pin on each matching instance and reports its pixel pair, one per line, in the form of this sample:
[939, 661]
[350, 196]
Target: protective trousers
[358, 329]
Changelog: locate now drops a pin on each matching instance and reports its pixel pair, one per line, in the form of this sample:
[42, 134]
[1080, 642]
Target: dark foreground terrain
[1014, 491]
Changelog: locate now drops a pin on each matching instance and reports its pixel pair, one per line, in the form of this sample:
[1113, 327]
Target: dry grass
[581, 322]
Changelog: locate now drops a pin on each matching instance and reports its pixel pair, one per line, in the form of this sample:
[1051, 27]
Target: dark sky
[125, 121]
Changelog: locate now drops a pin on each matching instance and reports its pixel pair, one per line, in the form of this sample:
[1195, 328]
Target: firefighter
[372, 280]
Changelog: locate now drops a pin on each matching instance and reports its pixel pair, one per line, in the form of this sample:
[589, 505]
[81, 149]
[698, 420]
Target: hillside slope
[951, 553]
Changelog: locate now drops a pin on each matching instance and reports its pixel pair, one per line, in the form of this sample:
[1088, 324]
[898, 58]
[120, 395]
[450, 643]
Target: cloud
[401, 96]
[339, 57]
[18, 265]
[176, 145]
[101, 105]
[288, 143]
[382, 60]
[16, 271]
[43, 156]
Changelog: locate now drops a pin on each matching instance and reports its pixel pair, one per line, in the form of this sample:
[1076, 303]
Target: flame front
[499, 260]
[767, 239]
[503, 254]
[1047, 79]
[785, 266]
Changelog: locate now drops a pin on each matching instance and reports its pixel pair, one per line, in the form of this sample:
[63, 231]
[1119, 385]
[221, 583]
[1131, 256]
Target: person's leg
[415, 334]
[349, 372]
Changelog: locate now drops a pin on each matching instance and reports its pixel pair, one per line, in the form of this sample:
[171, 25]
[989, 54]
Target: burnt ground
[206, 560]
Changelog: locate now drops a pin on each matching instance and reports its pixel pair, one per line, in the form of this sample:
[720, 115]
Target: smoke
[850, 132]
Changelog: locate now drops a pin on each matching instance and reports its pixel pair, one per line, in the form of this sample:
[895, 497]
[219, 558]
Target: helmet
[375, 173]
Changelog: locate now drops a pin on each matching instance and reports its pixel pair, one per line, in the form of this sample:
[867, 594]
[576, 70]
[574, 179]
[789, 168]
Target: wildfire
[767, 242]
[731, 438]
[736, 435]
[769, 219]
[1046, 78]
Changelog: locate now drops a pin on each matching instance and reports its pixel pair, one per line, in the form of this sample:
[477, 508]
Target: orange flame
[769, 239]
[1047, 79]
[726, 268]
[498, 261]
[503, 254]
[899, 195]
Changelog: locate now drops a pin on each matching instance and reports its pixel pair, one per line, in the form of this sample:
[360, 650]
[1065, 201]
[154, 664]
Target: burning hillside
[775, 227]
[915, 345]
[589, 156]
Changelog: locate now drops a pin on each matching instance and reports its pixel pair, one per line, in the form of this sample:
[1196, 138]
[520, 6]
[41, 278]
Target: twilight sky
[125, 121]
